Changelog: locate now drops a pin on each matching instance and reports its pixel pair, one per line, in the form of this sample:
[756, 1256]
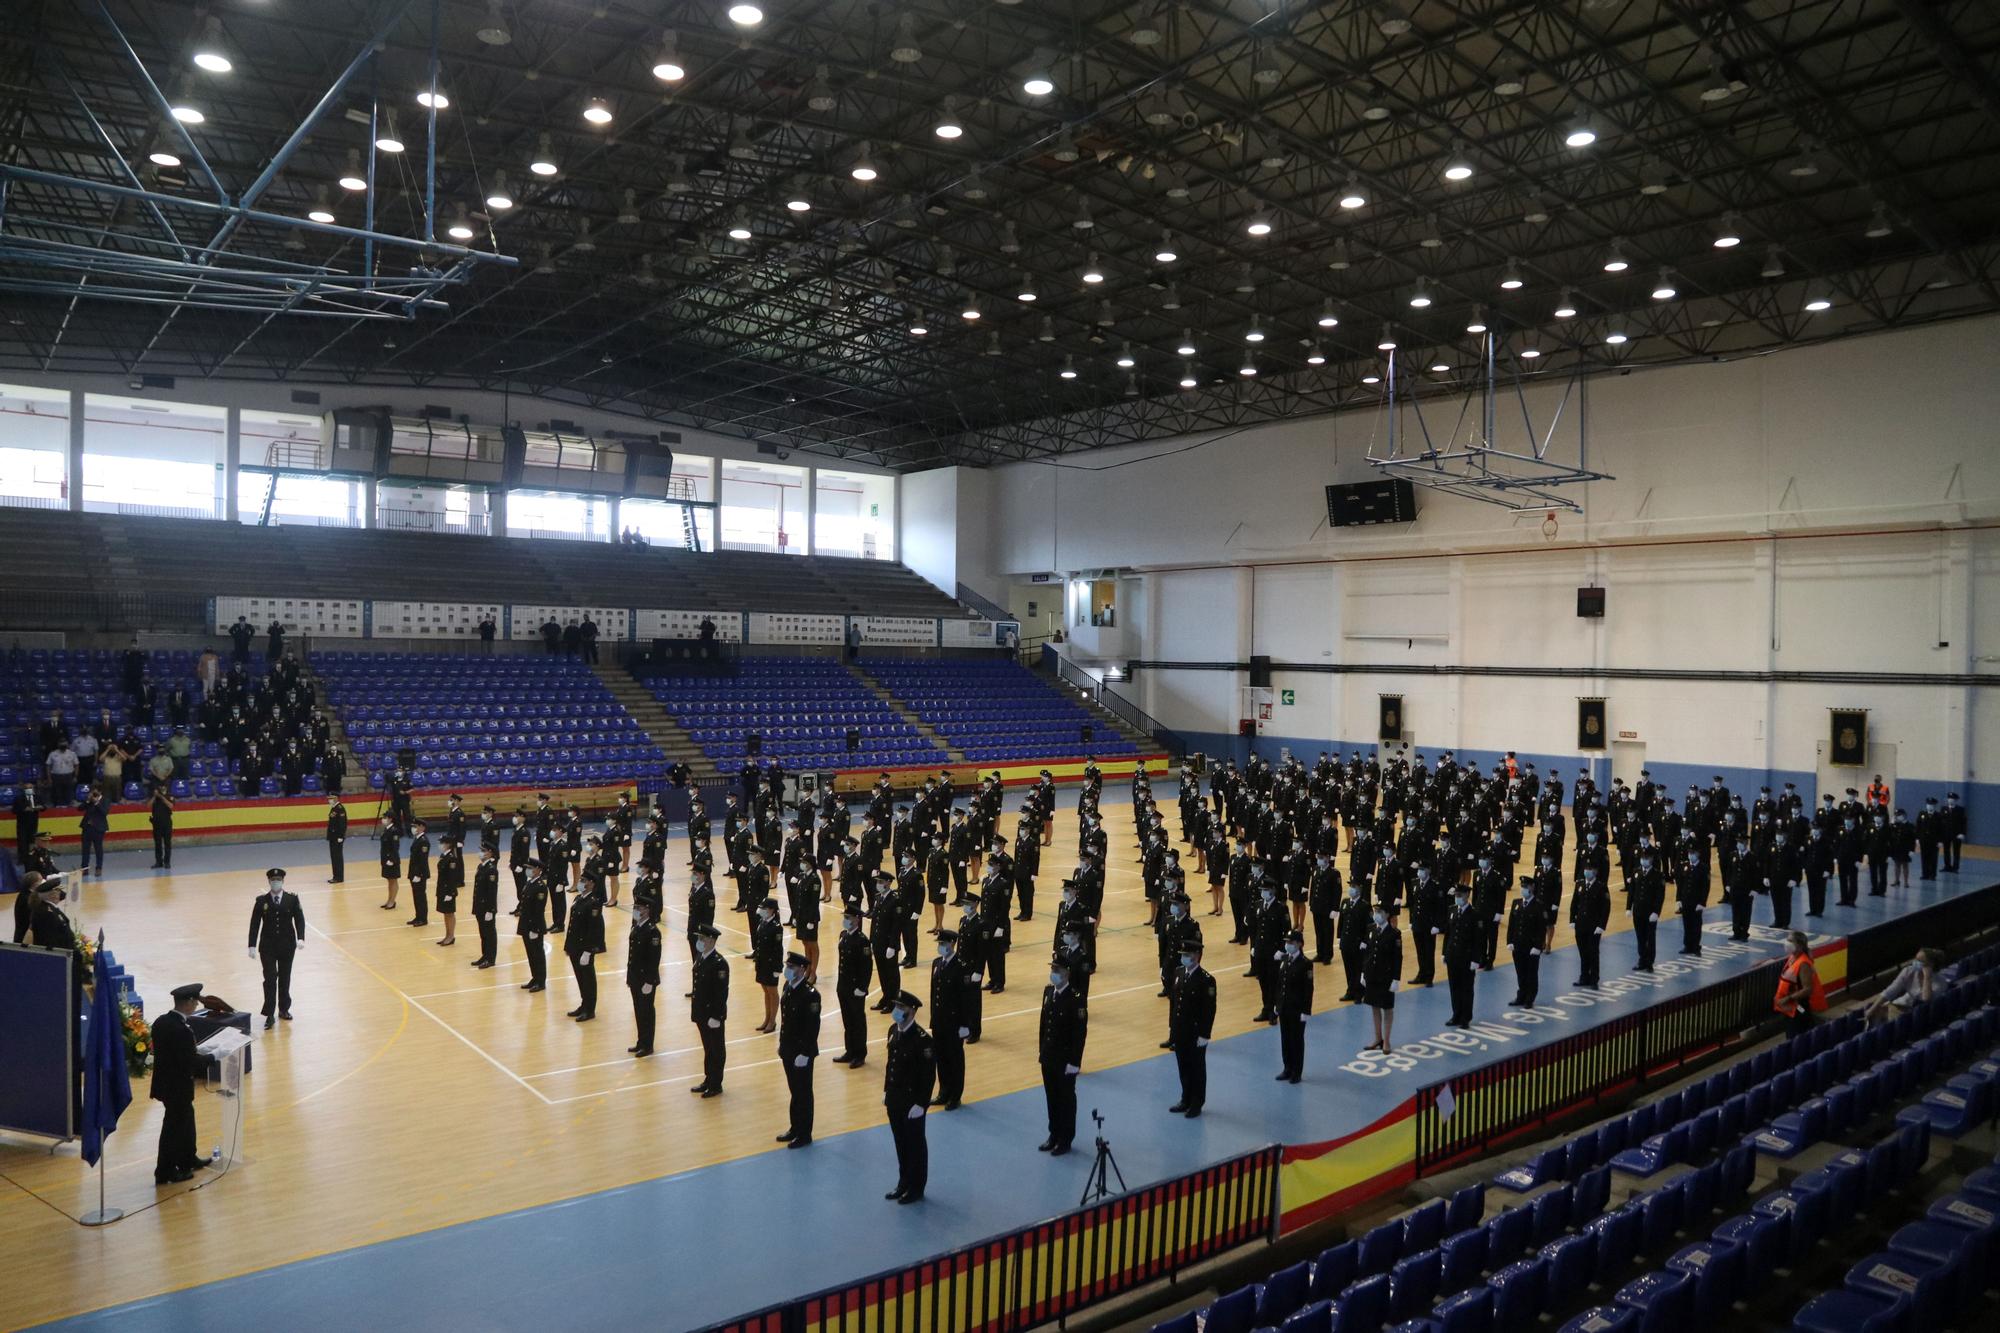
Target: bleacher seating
[178, 563]
[802, 707]
[995, 711]
[524, 720]
[82, 683]
[1661, 1261]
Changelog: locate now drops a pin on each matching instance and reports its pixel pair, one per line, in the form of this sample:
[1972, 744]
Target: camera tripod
[1103, 1167]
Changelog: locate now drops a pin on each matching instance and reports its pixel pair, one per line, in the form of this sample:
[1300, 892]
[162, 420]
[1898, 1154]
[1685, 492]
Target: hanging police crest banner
[1847, 737]
[1590, 724]
[1391, 725]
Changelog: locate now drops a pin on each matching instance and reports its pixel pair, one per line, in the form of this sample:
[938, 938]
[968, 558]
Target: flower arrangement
[138, 1039]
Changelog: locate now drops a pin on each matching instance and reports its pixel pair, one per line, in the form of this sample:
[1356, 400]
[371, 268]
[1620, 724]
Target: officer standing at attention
[451, 879]
[1691, 891]
[855, 969]
[710, 1007]
[908, 1072]
[1464, 945]
[949, 1028]
[336, 837]
[798, 1047]
[1589, 914]
[532, 925]
[583, 941]
[1531, 929]
[1352, 933]
[642, 972]
[486, 903]
[277, 932]
[174, 1063]
[1647, 895]
[1190, 1022]
[885, 934]
[1064, 1026]
[1295, 1002]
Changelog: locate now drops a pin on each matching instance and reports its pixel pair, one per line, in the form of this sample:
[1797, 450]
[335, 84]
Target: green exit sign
[875, 511]
[1285, 697]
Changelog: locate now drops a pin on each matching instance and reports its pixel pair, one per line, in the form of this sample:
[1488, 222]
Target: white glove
[1654, 917]
[715, 1022]
[916, 1112]
[1534, 953]
[1200, 1042]
[976, 979]
[798, 1062]
[646, 989]
[890, 955]
[1600, 930]
[1071, 1069]
[1395, 986]
[963, 1033]
[861, 995]
[250, 952]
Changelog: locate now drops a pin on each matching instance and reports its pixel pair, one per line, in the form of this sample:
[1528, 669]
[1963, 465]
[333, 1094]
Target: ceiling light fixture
[1068, 370]
[739, 226]
[1420, 297]
[351, 177]
[906, 51]
[320, 212]
[499, 197]
[1188, 380]
[1352, 196]
[1477, 324]
[1728, 232]
[1817, 298]
[1259, 224]
[796, 200]
[1125, 358]
[1186, 345]
[820, 96]
[745, 15]
[948, 126]
[1458, 167]
[1774, 263]
[209, 52]
[1530, 352]
[1566, 305]
[598, 111]
[186, 114]
[1440, 368]
[1172, 300]
[386, 139]
[544, 161]
[494, 32]
[1616, 334]
[919, 326]
[1327, 319]
[162, 153]
[969, 307]
[1371, 379]
[1314, 356]
[1878, 223]
[1510, 277]
[1249, 367]
[1387, 342]
[1093, 272]
[1025, 291]
[667, 66]
[1166, 253]
[1255, 333]
[461, 226]
[436, 101]
[864, 163]
[1580, 133]
[1038, 83]
[1614, 259]
[1664, 290]
[1048, 331]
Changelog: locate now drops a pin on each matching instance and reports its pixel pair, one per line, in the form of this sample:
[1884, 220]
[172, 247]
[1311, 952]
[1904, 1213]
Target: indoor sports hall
[1213, 666]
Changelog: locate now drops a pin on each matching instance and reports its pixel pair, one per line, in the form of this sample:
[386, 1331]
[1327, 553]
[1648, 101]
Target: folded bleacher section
[996, 711]
[503, 721]
[801, 707]
[1849, 1127]
[84, 682]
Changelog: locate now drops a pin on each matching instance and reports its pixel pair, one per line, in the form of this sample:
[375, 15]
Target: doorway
[1628, 760]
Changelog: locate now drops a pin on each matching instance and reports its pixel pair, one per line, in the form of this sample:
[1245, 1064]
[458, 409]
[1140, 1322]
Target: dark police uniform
[1295, 999]
[1190, 1022]
[948, 992]
[583, 942]
[174, 1062]
[709, 1009]
[908, 1072]
[485, 908]
[277, 928]
[532, 926]
[1528, 925]
[1064, 1026]
[856, 969]
[1589, 914]
[336, 842]
[798, 1047]
[642, 978]
[1464, 946]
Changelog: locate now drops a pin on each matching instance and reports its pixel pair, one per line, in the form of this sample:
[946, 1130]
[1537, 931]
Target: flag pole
[103, 1216]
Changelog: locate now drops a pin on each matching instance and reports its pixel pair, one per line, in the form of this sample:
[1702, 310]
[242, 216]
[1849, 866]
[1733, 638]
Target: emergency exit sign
[1285, 697]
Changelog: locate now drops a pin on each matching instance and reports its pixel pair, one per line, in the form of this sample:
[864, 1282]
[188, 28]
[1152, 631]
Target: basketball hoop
[1549, 526]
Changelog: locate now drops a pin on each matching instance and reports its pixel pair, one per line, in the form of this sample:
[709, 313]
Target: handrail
[986, 607]
[1115, 703]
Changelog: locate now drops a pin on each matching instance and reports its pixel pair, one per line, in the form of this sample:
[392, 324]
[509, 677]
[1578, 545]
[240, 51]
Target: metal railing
[1940, 925]
[1494, 1104]
[1054, 1269]
[1115, 703]
[395, 518]
[984, 606]
[104, 610]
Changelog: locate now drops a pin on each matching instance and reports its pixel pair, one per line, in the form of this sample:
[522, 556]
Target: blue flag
[107, 1087]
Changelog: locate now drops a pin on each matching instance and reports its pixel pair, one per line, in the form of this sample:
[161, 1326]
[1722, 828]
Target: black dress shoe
[711, 1092]
[1177, 1108]
[537, 987]
[1167, 1045]
[910, 1198]
[1192, 1113]
[786, 1137]
[800, 1142]
[574, 1012]
[1045, 1145]
[1283, 1077]
[269, 1022]
[285, 1014]
[895, 1195]
[584, 1018]
[1060, 1150]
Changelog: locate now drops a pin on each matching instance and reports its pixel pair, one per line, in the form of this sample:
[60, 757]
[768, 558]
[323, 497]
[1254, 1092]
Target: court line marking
[469, 1044]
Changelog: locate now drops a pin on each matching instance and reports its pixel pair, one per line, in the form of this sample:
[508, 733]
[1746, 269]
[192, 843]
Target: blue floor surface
[710, 1244]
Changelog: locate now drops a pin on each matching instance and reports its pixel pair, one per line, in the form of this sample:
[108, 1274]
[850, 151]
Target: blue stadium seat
[1413, 1285]
[1551, 1214]
[1953, 1248]
[1363, 1307]
[1926, 1284]
[1592, 1192]
[1380, 1248]
[1468, 1311]
[1336, 1266]
[1847, 1311]
[1658, 1152]
[1664, 1299]
[1283, 1294]
[1520, 1294]
[1572, 1263]
[1660, 1217]
[1187, 1323]
[1464, 1259]
[1717, 1269]
[1975, 1213]
[1507, 1234]
[1617, 1235]
[1604, 1319]
[1314, 1318]
[1536, 1171]
[1423, 1228]
[1465, 1210]
[1233, 1313]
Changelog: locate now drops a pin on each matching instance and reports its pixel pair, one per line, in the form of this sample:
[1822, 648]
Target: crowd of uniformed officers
[1350, 849]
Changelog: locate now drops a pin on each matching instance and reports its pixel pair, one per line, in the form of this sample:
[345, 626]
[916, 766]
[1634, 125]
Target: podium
[229, 1050]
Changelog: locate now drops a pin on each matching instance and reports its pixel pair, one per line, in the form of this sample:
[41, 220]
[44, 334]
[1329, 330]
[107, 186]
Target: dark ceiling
[1803, 127]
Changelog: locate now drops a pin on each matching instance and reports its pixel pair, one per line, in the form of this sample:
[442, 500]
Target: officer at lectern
[173, 1086]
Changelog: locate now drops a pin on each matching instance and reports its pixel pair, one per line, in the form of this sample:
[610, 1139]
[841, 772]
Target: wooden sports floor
[413, 1092]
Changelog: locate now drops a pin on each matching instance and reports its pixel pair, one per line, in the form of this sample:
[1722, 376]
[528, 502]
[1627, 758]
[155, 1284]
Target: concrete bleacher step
[1096, 710]
[924, 729]
[655, 721]
[357, 775]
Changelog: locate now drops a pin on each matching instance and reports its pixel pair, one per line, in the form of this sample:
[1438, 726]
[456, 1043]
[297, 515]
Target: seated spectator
[1913, 985]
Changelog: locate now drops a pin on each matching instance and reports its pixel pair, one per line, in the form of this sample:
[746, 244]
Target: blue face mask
[1055, 978]
[900, 1016]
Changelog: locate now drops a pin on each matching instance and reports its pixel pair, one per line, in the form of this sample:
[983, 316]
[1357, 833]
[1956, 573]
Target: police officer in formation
[277, 933]
[909, 1070]
[798, 1047]
[1064, 1026]
[1191, 1022]
[642, 971]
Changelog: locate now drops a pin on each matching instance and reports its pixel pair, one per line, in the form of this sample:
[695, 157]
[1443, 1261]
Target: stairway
[1100, 715]
[655, 721]
[924, 729]
[357, 775]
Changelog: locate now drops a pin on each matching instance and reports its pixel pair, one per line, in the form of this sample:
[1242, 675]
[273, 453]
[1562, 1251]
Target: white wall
[1831, 509]
[928, 521]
